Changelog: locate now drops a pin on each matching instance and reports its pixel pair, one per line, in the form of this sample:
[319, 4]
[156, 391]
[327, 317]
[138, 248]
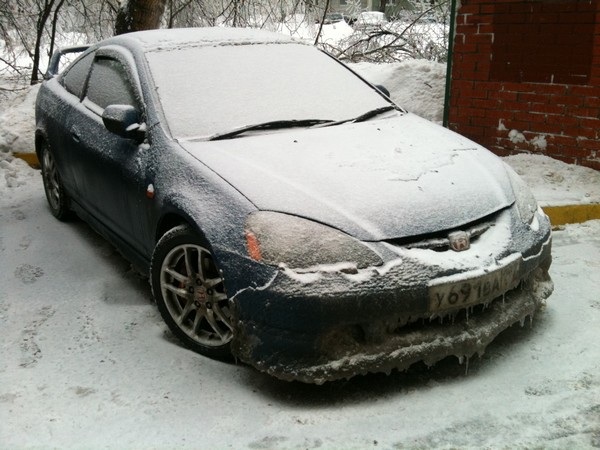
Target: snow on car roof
[165, 39]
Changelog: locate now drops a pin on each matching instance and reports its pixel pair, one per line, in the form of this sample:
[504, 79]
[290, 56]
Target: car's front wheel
[190, 294]
[58, 200]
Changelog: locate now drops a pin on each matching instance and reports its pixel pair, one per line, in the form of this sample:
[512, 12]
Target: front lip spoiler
[430, 343]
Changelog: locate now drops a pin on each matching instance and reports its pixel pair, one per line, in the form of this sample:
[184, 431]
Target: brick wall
[526, 77]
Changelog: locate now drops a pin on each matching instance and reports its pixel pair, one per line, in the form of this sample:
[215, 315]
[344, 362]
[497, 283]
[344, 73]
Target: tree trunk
[43, 15]
[54, 24]
[322, 21]
[137, 15]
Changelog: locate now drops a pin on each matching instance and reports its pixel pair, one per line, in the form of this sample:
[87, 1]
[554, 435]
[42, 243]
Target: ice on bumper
[335, 321]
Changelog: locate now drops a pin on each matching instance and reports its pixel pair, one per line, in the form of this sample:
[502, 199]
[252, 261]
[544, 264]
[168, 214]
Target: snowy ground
[86, 362]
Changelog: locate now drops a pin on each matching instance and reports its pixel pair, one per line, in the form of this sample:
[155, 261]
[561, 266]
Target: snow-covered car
[314, 236]
[367, 20]
[331, 18]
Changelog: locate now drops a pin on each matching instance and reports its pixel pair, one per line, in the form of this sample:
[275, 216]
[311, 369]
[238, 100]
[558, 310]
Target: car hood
[382, 179]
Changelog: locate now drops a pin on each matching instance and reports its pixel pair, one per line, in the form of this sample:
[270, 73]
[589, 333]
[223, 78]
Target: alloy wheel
[194, 294]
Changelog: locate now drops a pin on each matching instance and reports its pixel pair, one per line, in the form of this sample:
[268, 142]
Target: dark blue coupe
[287, 211]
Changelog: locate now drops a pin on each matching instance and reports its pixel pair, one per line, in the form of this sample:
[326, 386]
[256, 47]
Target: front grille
[443, 244]
[440, 242]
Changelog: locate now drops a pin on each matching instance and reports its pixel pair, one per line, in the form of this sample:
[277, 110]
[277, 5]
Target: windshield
[210, 90]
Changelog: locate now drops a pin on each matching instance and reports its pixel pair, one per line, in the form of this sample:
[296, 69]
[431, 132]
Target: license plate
[455, 292]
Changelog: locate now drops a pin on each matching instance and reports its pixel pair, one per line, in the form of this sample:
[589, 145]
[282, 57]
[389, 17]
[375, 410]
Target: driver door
[111, 175]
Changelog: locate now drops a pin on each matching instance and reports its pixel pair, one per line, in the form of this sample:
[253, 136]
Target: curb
[562, 215]
[29, 158]
[559, 215]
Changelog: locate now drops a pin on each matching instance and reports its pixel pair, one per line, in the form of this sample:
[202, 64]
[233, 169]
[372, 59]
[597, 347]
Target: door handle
[75, 134]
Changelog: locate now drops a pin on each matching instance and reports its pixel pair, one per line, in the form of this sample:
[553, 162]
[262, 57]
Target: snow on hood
[376, 180]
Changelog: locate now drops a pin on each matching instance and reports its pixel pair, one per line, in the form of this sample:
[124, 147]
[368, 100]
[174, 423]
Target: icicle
[522, 322]
[467, 366]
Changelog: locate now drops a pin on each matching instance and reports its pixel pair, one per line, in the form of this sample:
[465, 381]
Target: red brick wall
[526, 77]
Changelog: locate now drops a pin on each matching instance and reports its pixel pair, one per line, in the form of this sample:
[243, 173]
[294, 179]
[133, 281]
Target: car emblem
[459, 241]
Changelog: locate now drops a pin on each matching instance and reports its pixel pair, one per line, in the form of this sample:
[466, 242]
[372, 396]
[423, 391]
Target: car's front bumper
[316, 327]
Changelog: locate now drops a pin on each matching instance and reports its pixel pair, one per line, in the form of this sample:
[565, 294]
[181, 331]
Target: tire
[190, 293]
[57, 197]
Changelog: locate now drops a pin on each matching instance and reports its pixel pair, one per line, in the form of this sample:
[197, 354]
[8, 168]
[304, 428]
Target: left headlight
[525, 201]
[276, 238]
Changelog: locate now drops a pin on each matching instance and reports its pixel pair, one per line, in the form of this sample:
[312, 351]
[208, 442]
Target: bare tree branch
[322, 22]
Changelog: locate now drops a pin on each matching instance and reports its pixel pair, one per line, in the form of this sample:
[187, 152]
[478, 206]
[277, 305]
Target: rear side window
[109, 85]
[74, 79]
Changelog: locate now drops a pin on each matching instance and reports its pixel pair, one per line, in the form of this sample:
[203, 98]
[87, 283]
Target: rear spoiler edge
[55, 59]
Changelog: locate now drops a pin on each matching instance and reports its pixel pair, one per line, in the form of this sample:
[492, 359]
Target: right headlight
[276, 239]
[525, 201]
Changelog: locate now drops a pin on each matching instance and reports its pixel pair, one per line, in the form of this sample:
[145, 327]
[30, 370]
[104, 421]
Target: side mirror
[383, 90]
[124, 121]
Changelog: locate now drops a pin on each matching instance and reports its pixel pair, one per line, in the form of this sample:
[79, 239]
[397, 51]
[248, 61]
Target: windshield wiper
[280, 124]
[366, 116]
[273, 125]
[372, 113]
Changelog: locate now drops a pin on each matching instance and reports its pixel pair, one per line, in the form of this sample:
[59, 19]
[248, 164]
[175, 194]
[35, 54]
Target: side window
[74, 78]
[108, 84]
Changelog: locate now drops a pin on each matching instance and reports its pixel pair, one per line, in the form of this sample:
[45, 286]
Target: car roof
[168, 39]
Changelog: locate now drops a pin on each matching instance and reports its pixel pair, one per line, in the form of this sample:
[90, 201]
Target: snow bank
[14, 172]
[557, 183]
[417, 85]
[17, 123]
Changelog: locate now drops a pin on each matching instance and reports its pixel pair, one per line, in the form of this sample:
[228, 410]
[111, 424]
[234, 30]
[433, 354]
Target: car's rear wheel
[58, 200]
[190, 293]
